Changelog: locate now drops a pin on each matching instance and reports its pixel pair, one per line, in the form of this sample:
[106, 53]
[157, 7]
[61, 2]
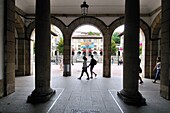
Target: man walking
[93, 62]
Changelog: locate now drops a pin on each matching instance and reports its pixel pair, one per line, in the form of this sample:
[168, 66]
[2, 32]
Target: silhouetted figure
[84, 68]
[72, 57]
[140, 71]
[93, 62]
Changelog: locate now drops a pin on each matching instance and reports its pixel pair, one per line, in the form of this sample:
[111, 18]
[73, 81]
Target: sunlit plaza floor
[97, 95]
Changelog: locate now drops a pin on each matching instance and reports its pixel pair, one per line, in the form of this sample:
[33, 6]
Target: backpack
[95, 62]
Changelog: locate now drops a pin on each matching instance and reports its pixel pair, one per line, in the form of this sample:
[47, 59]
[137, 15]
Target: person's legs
[87, 75]
[157, 75]
[140, 79]
[91, 71]
[81, 74]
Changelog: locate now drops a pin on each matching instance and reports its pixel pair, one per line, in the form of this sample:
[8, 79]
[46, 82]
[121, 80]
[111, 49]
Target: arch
[19, 25]
[155, 40]
[20, 51]
[155, 27]
[90, 20]
[87, 20]
[54, 21]
[120, 21]
[31, 27]
[146, 30]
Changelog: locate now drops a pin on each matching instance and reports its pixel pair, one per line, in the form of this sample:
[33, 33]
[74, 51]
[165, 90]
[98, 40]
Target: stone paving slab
[155, 103]
[16, 103]
[98, 95]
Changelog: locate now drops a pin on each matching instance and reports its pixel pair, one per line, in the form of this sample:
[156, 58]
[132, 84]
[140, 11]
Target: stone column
[9, 46]
[67, 54]
[42, 91]
[165, 53]
[20, 71]
[27, 57]
[107, 55]
[2, 48]
[130, 94]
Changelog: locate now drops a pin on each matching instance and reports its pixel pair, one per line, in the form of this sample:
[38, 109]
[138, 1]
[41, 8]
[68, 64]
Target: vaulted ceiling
[95, 6]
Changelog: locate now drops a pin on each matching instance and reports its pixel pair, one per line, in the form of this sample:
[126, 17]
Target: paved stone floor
[98, 95]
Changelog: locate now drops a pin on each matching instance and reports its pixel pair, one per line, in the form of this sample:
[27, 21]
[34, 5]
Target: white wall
[1, 38]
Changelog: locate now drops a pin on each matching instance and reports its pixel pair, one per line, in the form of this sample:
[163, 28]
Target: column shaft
[130, 93]
[42, 91]
[107, 55]
[67, 55]
[20, 54]
[165, 53]
[9, 46]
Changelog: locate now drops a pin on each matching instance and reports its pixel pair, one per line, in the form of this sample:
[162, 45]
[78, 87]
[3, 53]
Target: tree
[140, 50]
[60, 46]
[90, 33]
[113, 47]
[116, 37]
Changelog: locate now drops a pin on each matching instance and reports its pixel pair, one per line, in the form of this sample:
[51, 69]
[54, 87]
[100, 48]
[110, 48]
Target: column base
[136, 100]
[37, 97]
[66, 74]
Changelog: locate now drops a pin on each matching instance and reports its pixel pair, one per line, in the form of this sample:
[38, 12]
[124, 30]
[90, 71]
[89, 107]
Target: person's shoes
[95, 75]
[79, 78]
[154, 81]
[87, 79]
[140, 82]
[91, 77]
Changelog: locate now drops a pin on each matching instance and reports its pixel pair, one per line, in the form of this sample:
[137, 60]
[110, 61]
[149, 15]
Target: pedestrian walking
[93, 62]
[158, 69]
[112, 60]
[84, 68]
[61, 64]
[140, 71]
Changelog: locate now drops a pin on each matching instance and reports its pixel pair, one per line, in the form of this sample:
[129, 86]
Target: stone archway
[21, 53]
[146, 29]
[31, 27]
[67, 43]
[155, 41]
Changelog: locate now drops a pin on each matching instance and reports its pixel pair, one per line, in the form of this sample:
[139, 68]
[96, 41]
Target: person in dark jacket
[92, 64]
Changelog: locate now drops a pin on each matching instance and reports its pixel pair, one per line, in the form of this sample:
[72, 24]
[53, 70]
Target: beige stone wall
[165, 53]
[1, 48]
[9, 47]
[1, 87]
